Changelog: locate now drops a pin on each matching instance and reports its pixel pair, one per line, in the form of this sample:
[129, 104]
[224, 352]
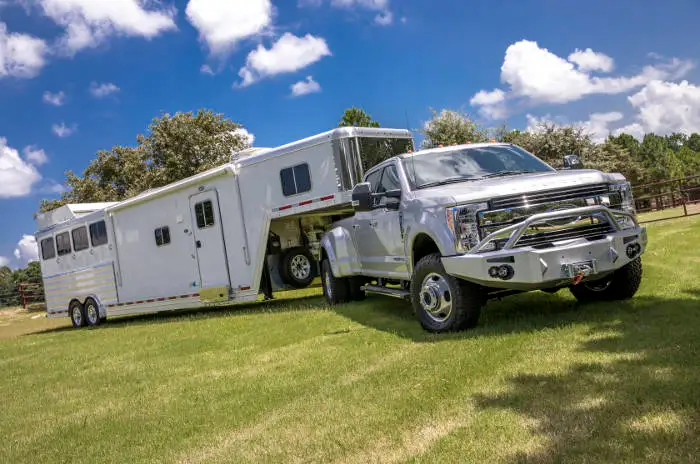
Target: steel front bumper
[528, 268]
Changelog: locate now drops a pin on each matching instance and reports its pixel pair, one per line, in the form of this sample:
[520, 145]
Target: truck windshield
[464, 164]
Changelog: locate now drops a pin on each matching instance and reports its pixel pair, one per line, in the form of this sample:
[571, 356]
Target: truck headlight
[463, 223]
[624, 189]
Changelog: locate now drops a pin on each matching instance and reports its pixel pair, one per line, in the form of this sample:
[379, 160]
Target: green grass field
[542, 379]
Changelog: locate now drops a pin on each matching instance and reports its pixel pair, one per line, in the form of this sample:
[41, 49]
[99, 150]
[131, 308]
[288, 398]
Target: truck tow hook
[578, 278]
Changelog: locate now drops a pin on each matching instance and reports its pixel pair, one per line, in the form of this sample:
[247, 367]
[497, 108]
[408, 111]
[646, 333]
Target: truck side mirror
[362, 197]
[393, 194]
[572, 162]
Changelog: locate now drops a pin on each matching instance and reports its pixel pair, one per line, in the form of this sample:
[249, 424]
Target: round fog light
[493, 272]
[632, 250]
[505, 272]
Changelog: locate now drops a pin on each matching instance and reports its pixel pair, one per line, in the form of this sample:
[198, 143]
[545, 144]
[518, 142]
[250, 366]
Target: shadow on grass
[637, 401]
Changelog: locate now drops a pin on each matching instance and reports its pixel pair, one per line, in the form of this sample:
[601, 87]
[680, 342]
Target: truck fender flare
[329, 241]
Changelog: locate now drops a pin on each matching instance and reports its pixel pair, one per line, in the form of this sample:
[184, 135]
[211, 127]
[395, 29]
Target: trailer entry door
[209, 240]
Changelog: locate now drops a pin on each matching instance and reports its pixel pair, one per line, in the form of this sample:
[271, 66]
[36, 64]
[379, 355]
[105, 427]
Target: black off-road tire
[355, 293]
[289, 267]
[92, 313]
[620, 285]
[76, 311]
[467, 298]
[335, 289]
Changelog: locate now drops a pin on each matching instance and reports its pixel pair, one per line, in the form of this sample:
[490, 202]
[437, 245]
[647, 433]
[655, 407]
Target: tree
[451, 128]
[174, 148]
[357, 117]
[614, 157]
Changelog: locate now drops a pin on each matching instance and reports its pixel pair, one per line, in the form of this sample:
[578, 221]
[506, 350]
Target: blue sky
[77, 76]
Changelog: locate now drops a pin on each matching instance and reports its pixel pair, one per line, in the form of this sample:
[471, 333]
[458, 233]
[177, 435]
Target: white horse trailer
[212, 239]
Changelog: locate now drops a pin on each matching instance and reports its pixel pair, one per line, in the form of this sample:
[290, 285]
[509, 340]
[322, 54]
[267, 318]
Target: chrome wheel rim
[327, 282]
[77, 315]
[92, 314]
[301, 267]
[436, 297]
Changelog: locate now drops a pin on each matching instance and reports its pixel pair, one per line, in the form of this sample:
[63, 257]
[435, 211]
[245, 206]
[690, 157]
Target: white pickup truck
[449, 228]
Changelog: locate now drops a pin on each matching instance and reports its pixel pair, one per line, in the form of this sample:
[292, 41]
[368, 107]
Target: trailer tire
[336, 290]
[297, 267]
[92, 313]
[620, 285]
[442, 302]
[76, 311]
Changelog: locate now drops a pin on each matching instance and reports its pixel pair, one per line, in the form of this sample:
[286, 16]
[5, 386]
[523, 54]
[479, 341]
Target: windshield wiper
[506, 173]
[449, 180]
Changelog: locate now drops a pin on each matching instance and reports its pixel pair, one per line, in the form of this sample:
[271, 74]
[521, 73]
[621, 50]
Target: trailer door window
[63, 244]
[295, 180]
[162, 236]
[48, 251]
[204, 212]
[98, 233]
[80, 239]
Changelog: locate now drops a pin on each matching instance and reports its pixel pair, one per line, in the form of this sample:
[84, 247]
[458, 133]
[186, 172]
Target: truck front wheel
[620, 285]
[336, 289]
[442, 302]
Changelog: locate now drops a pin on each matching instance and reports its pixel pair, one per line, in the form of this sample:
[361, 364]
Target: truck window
[98, 233]
[373, 179]
[63, 244]
[204, 213]
[390, 180]
[162, 236]
[295, 180]
[48, 251]
[80, 239]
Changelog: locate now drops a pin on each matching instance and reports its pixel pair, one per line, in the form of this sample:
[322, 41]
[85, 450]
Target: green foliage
[357, 117]
[10, 281]
[452, 128]
[174, 148]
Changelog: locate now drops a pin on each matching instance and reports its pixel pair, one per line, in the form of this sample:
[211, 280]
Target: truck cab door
[378, 233]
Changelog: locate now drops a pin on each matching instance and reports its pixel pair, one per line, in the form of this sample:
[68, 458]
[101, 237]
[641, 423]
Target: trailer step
[395, 292]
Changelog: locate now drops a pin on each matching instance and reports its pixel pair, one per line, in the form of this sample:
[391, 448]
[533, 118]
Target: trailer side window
[204, 212]
[48, 251]
[162, 236]
[63, 244]
[80, 239]
[98, 233]
[295, 180]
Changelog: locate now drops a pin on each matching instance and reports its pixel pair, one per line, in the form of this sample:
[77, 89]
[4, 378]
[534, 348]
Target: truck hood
[484, 190]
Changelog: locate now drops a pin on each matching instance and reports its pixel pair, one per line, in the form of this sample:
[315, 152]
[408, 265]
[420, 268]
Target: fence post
[23, 295]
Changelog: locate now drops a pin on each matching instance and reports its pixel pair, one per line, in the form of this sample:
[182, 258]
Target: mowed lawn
[542, 379]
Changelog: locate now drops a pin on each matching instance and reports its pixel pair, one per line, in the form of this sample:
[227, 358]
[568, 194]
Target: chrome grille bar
[549, 196]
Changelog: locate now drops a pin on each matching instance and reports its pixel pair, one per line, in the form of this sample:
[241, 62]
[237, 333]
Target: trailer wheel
[77, 314]
[620, 285]
[297, 267]
[335, 289]
[92, 313]
[442, 302]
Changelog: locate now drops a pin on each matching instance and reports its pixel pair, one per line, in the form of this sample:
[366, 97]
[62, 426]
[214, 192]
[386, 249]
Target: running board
[395, 292]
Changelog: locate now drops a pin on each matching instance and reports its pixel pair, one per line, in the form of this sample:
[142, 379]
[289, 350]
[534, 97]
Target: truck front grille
[548, 196]
[546, 239]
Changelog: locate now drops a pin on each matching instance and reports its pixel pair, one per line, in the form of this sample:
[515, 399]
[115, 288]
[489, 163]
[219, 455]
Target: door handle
[373, 224]
[355, 226]
[199, 244]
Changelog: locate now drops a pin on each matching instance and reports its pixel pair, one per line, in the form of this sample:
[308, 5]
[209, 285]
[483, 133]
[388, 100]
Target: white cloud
[17, 177]
[243, 132]
[534, 75]
[62, 131]
[635, 130]
[369, 4]
[55, 99]
[103, 90]
[27, 249]
[35, 155]
[666, 107]
[87, 23]
[21, 55]
[4, 261]
[588, 60]
[384, 18]
[206, 69]
[305, 87]
[224, 23]
[289, 54]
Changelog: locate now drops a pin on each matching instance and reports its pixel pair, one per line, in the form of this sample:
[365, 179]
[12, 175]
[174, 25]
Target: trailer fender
[339, 248]
[102, 308]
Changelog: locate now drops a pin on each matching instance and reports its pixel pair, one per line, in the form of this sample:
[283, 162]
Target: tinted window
[80, 239]
[373, 179]
[390, 180]
[204, 213]
[162, 236]
[63, 244]
[98, 233]
[295, 180]
[47, 249]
